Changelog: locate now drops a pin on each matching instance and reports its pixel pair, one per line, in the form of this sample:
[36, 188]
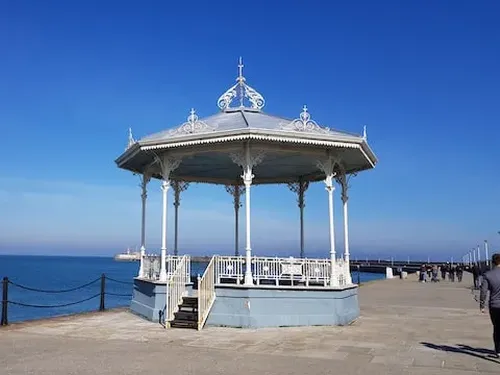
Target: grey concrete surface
[405, 328]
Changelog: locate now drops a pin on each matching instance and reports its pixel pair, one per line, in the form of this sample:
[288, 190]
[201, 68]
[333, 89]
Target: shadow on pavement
[482, 353]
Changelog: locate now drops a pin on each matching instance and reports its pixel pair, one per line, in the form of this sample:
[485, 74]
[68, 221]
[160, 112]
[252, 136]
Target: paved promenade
[406, 328]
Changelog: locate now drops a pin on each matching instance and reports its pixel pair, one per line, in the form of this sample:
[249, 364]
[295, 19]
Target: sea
[49, 286]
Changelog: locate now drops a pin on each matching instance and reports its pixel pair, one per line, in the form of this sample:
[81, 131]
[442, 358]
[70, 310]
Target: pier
[405, 327]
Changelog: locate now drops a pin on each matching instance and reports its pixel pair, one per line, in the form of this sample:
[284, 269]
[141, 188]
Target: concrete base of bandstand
[280, 306]
[149, 298]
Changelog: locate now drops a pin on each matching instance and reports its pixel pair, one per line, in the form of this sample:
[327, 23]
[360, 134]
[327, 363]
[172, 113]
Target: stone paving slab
[405, 327]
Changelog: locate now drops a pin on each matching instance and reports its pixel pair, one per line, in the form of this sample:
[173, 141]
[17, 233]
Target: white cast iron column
[165, 185]
[167, 166]
[300, 188]
[144, 195]
[179, 187]
[247, 161]
[247, 180]
[343, 181]
[328, 167]
[236, 191]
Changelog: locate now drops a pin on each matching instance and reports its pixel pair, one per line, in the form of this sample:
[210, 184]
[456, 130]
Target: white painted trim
[244, 137]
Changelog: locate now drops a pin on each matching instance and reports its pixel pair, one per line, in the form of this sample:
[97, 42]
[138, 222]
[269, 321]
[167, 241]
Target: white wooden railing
[176, 287]
[206, 293]
[281, 271]
[229, 267]
[151, 265]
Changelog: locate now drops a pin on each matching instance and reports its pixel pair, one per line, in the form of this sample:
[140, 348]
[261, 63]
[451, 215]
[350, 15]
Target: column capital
[330, 187]
[236, 191]
[168, 163]
[179, 186]
[343, 179]
[328, 165]
[247, 176]
[299, 188]
[165, 185]
[145, 179]
[248, 158]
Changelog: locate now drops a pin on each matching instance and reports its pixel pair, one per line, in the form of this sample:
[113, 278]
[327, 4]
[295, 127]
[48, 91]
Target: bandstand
[238, 147]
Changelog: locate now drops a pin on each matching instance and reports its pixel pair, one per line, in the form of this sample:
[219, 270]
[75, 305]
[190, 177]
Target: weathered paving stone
[359, 358]
[491, 366]
[392, 360]
[355, 349]
[427, 360]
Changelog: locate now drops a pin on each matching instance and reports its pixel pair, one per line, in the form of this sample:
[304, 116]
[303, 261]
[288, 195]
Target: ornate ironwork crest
[193, 125]
[305, 124]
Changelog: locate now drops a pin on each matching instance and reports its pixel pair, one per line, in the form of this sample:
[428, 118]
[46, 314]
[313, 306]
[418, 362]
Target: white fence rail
[281, 271]
[206, 293]
[151, 265]
[176, 287]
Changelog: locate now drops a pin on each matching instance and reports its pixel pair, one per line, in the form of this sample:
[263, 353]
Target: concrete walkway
[406, 328]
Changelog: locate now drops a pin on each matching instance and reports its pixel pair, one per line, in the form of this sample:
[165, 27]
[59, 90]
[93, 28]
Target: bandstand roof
[292, 147]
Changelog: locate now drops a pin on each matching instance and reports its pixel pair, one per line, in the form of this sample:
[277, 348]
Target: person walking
[491, 284]
[451, 271]
[435, 272]
[443, 271]
[460, 272]
[423, 273]
[475, 275]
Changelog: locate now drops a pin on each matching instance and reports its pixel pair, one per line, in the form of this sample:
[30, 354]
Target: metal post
[300, 188]
[486, 253]
[237, 205]
[144, 195]
[359, 276]
[176, 228]
[301, 208]
[236, 191]
[5, 298]
[179, 187]
[103, 290]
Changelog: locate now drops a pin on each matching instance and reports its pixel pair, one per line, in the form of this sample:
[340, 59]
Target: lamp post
[486, 253]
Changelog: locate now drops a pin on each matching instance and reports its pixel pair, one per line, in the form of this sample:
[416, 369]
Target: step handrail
[176, 288]
[206, 293]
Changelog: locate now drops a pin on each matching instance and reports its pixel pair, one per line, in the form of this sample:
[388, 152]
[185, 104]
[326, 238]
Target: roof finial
[239, 92]
[364, 133]
[192, 118]
[131, 139]
[240, 70]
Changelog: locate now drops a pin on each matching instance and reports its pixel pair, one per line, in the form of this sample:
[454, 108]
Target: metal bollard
[103, 290]
[359, 276]
[5, 298]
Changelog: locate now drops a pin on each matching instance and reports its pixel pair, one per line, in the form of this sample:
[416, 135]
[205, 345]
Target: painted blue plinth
[258, 307]
[149, 298]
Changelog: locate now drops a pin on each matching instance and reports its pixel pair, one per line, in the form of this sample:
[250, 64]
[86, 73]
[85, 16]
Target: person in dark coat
[475, 276]
[460, 272]
[452, 273]
[443, 271]
[491, 284]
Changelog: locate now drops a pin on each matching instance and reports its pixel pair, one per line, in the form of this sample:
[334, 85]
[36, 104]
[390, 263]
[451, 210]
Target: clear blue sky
[423, 75]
